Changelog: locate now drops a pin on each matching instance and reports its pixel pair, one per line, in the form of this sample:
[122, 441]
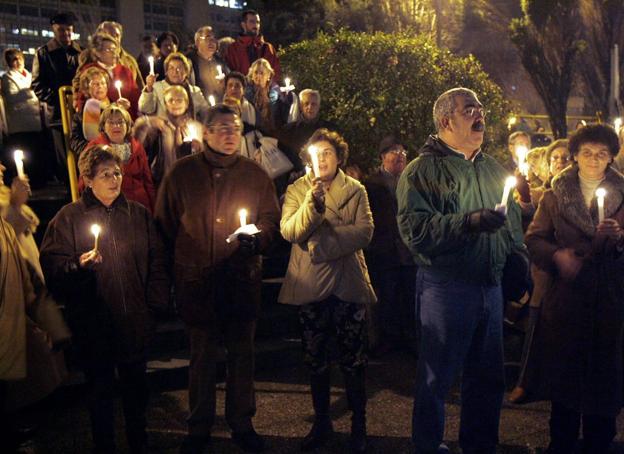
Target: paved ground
[284, 413]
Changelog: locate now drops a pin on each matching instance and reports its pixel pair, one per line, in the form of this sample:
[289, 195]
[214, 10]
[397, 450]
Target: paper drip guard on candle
[150, 59]
[510, 183]
[220, 74]
[249, 229]
[600, 196]
[288, 87]
[18, 156]
[95, 230]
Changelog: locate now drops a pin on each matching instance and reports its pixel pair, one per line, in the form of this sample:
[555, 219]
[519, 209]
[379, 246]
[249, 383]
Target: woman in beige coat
[328, 221]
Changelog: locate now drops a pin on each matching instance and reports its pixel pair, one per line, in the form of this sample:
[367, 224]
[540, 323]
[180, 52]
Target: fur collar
[567, 190]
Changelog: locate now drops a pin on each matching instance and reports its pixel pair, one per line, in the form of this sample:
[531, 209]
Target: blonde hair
[89, 74]
[260, 62]
[176, 90]
[114, 109]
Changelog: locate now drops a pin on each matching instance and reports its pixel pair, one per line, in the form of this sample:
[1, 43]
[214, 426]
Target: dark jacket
[576, 357]
[435, 193]
[217, 88]
[386, 250]
[197, 209]
[247, 49]
[53, 67]
[108, 307]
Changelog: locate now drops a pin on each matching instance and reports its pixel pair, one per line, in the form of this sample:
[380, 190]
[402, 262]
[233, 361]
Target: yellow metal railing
[67, 112]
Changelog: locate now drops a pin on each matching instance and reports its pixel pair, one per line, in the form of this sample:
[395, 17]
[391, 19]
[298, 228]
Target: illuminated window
[235, 4]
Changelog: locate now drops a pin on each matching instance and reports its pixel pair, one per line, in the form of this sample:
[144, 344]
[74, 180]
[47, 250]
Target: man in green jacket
[460, 242]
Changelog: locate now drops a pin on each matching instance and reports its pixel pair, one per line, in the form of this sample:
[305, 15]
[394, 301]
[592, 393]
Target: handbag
[271, 158]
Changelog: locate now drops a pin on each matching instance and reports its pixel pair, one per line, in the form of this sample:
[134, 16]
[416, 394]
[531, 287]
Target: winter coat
[197, 209]
[129, 88]
[153, 103]
[125, 59]
[326, 258]
[435, 193]
[108, 307]
[214, 87]
[577, 349]
[53, 67]
[137, 181]
[386, 249]
[21, 105]
[247, 49]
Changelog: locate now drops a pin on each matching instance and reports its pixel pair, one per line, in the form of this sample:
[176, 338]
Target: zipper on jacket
[109, 212]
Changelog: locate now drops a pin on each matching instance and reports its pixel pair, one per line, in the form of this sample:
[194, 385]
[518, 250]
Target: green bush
[376, 84]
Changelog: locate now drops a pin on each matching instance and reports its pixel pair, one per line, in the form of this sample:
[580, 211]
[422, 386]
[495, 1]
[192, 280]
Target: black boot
[322, 428]
[356, 396]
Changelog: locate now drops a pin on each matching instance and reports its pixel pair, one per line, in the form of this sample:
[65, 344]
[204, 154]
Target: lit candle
[617, 124]
[308, 169]
[118, 87]
[287, 86]
[18, 155]
[211, 100]
[313, 150]
[220, 74]
[510, 183]
[96, 229]
[150, 59]
[600, 195]
[191, 132]
[287, 82]
[242, 214]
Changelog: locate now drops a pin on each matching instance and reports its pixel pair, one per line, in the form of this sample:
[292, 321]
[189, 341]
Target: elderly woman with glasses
[177, 69]
[577, 238]
[111, 286]
[104, 54]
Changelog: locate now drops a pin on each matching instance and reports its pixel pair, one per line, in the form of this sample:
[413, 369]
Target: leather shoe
[249, 441]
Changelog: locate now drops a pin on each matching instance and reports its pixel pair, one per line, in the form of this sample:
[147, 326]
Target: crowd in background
[178, 151]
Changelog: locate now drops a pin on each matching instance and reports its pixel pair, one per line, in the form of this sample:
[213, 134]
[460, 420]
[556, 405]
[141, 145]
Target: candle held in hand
[150, 59]
[95, 230]
[118, 87]
[600, 196]
[313, 151]
[211, 100]
[18, 156]
[242, 214]
[510, 183]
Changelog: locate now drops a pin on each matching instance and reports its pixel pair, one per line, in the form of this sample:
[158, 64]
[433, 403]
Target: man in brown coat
[217, 283]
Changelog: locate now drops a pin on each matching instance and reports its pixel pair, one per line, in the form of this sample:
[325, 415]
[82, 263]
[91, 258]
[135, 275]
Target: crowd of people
[193, 165]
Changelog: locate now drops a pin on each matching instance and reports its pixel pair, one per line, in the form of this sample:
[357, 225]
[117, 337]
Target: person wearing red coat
[137, 181]
[250, 46]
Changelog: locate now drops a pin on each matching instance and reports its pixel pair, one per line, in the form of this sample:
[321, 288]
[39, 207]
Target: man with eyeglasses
[390, 263]
[217, 283]
[205, 64]
[460, 242]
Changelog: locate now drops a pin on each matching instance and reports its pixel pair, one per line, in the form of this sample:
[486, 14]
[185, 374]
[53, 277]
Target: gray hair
[309, 92]
[445, 104]
[200, 31]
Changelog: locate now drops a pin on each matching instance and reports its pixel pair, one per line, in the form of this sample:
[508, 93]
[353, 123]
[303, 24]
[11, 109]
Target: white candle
[510, 183]
[95, 230]
[521, 155]
[220, 74]
[308, 169]
[287, 82]
[600, 196]
[313, 150]
[192, 132]
[118, 87]
[150, 59]
[18, 155]
[617, 124]
[242, 214]
[211, 100]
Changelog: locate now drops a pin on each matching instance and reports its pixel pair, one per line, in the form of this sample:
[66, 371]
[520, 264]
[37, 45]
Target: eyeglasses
[560, 158]
[109, 175]
[224, 128]
[471, 112]
[108, 50]
[176, 69]
[116, 123]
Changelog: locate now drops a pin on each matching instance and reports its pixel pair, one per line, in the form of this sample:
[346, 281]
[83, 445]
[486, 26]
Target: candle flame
[150, 59]
[601, 192]
[18, 155]
[287, 81]
[242, 212]
[618, 124]
[118, 84]
[511, 182]
[96, 229]
[211, 100]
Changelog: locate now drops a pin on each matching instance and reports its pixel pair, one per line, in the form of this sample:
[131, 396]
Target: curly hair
[93, 156]
[98, 39]
[260, 62]
[88, 75]
[115, 109]
[336, 141]
[180, 57]
[596, 133]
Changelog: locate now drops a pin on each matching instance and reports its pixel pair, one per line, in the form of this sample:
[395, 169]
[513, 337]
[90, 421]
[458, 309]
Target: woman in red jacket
[137, 185]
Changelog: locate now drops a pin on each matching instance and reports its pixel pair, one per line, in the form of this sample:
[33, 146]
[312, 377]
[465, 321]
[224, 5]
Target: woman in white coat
[328, 220]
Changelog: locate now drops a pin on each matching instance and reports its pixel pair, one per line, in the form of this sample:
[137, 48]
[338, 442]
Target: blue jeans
[461, 329]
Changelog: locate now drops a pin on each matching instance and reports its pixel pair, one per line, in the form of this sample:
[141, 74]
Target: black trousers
[598, 431]
[134, 395]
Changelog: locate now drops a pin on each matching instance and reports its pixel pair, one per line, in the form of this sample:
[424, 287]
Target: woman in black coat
[110, 288]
